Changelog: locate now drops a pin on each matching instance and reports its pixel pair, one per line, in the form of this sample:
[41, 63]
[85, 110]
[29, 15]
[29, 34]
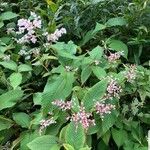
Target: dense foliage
[74, 75]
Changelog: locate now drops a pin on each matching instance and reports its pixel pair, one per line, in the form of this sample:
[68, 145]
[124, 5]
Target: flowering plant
[57, 96]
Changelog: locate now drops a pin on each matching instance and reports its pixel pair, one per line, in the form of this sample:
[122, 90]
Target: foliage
[73, 75]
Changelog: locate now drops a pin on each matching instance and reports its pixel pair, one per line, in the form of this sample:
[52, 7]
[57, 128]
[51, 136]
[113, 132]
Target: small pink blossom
[131, 74]
[114, 56]
[62, 104]
[103, 109]
[113, 89]
[82, 117]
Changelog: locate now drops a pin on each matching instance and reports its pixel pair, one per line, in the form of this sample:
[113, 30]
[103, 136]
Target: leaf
[86, 72]
[27, 137]
[85, 148]
[10, 98]
[107, 122]
[118, 21]
[90, 34]
[68, 147]
[22, 119]
[9, 65]
[119, 46]
[45, 142]
[5, 123]
[94, 93]
[8, 15]
[96, 53]
[15, 79]
[75, 136]
[119, 136]
[24, 68]
[1, 24]
[99, 72]
[59, 88]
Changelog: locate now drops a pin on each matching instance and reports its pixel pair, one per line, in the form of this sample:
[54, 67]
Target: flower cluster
[28, 27]
[82, 117]
[103, 109]
[27, 54]
[113, 89]
[131, 74]
[114, 56]
[62, 104]
[45, 123]
[6, 57]
[56, 35]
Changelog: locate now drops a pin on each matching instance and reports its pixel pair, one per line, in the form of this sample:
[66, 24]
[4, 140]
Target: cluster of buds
[45, 123]
[27, 27]
[63, 105]
[114, 56]
[131, 74]
[6, 57]
[27, 54]
[56, 35]
[83, 118]
[103, 109]
[113, 89]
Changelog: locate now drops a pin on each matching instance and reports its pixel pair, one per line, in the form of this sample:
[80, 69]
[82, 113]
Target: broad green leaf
[75, 136]
[22, 119]
[119, 46]
[8, 15]
[94, 93]
[68, 147]
[9, 65]
[45, 142]
[85, 74]
[89, 35]
[27, 137]
[118, 21]
[37, 98]
[119, 136]
[96, 53]
[99, 72]
[107, 122]
[24, 68]
[10, 98]
[59, 88]
[1, 24]
[15, 79]
[5, 123]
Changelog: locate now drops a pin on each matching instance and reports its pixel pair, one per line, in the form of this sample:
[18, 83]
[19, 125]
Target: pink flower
[103, 109]
[82, 117]
[131, 74]
[37, 23]
[114, 56]
[63, 105]
[113, 89]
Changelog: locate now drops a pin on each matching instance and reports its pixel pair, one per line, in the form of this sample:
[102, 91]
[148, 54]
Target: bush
[74, 81]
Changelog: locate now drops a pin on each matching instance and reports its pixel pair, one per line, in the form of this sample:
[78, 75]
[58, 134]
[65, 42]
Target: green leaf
[45, 142]
[85, 148]
[118, 21]
[68, 147]
[85, 74]
[89, 35]
[96, 53]
[119, 136]
[10, 98]
[75, 136]
[15, 79]
[5, 123]
[59, 88]
[107, 122]
[22, 119]
[94, 93]
[1, 24]
[24, 68]
[27, 137]
[9, 65]
[119, 46]
[8, 15]
[99, 72]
